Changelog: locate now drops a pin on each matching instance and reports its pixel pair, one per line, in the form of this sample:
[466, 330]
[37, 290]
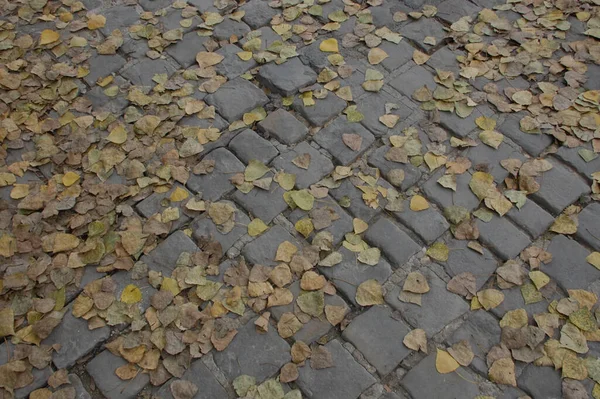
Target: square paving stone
[531, 217]
[158, 202]
[461, 127]
[248, 145]
[119, 17]
[203, 378]
[284, 127]
[258, 13]
[323, 111]
[228, 28]
[134, 48]
[503, 237]
[101, 102]
[445, 59]
[453, 10]
[252, 353]
[593, 77]
[398, 54]
[560, 187]
[531, 380]
[532, 143]
[267, 37]
[313, 56]
[429, 224]
[102, 66]
[319, 166]
[204, 5]
[513, 299]
[263, 249]
[345, 380]
[153, 5]
[423, 381]
[102, 370]
[216, 184]
[40, 377]
[315, 328]
[263, 204]
[393, 242]
[571, 157]
[287, 78]
[463, 196]
[331, 138]
[439, 306]
[568, 266]
[484, 157]
[172, 21]
[328, 206]
[217, 122]
[413, 79]
[418, 30]
[411, 174]
[482, 331]
[185, 50]
[203, 228]
[348, 191]
[164, 257]
[142, 72]
[350, 273]
[378, 335]
[373, 107]
[462, 259]
[233, 66]
[237, 97]
[80, 391]
[589, 225]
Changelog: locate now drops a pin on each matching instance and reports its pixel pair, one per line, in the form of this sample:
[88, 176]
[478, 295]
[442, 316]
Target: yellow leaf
[256, 227]
[439, 251]
[285, 251]
[70, 178]
[594, 259]
[419, 57]
[118, 135]
[304, 226]
[359, 225]
[245, 55]
[206, 59]
[564, 224]
[48, 36]
[490, 298]
[131, 294]
[329, 46]
[169, 284]
[539, 278]
[369, 293]
[444, 363]
[418, 203]
[19, 191]
[96, 21]
[376, 55]
[179, 194]
[485, 123]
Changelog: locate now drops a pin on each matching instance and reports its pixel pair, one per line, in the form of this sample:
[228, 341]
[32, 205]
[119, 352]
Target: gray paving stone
[185, 50]
[461, 127]
[439, 306]
[393, 242]
[532, 143]
[233, 66]
[203, 228]
[258, 13]
[134, 48]
[423, 381]
[267, 37]
[411, 174]
[383, 15]
[378, 335]
[315, 328]
[101, 102]
[237, 97]
[413, 79]
[348, 190]
[502, 85]
[323, 111]
[513, 299]
[589, 225]
[373, 106]
[228, 28]
[532, 218]
[172, 21]
[216, 184]
[201, 376]
[158, 202]
[313, 56]
[484, 157]
[153, 5]
[40, 377]
[141, 73]
[255, 201]
[319, 166]
[463, 196]
[453, 10]
[392, 395]
[102, 66]
[119, 17]
[560, 187]
[164, 257]
[593, 77]
[254, 354]
[263, 249]
[350, 273]
[418, 30]
[568, 266]
[429, 224]
[462, 259]
[204, 5]
[102, 370]
[571, 157]
[218, 122]
[331, 138]
[482, 331]
[445, 59]
[398, 54]
[338, 228]
[284, 127]
[531, 378]
[502, 237]
[248, 145]
[75, 339]
[80, 391]
[346, 380]
[287, 78]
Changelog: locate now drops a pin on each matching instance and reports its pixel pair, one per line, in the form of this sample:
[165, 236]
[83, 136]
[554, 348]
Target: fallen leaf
[416, 340]
[329, 46]
[376, 55]
[444, 363]
[369, 293]
[418, 203]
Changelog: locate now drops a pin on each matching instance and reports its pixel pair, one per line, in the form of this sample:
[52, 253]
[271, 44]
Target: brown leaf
[353, 141]
[416, 340]
[182, 389]
[302, 161]
[288, 373]
[321, 358]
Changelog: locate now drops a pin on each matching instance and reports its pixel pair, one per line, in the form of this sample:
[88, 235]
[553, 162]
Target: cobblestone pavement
[300, 199]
